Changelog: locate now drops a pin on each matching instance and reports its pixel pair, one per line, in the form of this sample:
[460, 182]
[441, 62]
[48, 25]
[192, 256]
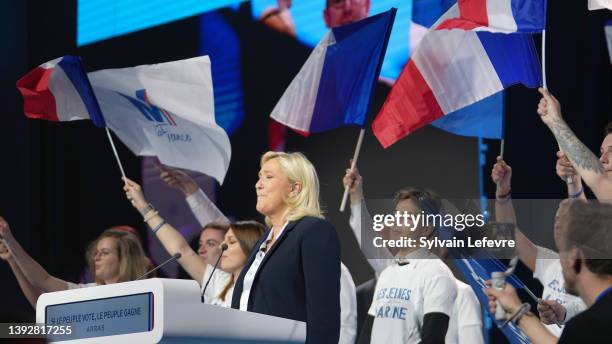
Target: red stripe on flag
[38, 101]
[276, 136]
[410, 105]
[457, 23]
[474, 11]
[473, 14]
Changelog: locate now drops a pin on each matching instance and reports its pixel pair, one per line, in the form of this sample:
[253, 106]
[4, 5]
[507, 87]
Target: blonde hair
[298, 169]
[132, 260]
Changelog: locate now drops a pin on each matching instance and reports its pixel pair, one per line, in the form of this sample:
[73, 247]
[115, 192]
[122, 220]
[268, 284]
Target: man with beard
[586, 252]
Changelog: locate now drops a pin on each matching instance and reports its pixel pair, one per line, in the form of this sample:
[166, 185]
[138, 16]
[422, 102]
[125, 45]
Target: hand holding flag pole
[353, 165]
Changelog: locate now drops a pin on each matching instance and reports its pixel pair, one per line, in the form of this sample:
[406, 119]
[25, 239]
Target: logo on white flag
[163, 120]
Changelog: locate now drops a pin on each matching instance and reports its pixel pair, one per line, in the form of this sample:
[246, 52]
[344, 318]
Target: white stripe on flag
[295, 108]
[600, 4]
[500, 15]
[452, 12]
[51, 64]
[68, 103]
[457, 68]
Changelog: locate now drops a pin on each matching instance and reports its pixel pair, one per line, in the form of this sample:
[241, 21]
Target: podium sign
[103, 317]
[156, 310]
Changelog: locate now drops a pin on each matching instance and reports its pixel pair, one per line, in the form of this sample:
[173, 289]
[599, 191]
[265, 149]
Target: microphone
[223, 248]
[176, 256]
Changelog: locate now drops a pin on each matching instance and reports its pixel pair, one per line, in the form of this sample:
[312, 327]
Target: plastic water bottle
[498, 281]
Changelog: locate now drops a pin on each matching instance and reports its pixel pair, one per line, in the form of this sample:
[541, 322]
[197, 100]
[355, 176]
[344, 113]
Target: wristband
[577, 194]
[525, 308]
[504, 196]
[516, 317]
[156, 228]
[149, 215]
[147, 210]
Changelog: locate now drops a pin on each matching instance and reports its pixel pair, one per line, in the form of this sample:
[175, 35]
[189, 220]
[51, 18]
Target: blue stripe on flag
[481, 119]
[514, 58]
[350, 71]
[74, 70]
[427, 12]
[529, 15]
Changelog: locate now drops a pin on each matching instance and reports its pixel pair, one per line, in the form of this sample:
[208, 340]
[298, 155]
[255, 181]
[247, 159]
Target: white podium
[157, 310]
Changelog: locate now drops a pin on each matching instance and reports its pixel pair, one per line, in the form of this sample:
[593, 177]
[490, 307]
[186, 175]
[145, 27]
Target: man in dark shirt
[594, 325]
[585, 235]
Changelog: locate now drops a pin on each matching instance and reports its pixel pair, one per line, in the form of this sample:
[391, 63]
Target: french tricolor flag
[452, 69]
[504, 16]
[335, 85]
[59, 91]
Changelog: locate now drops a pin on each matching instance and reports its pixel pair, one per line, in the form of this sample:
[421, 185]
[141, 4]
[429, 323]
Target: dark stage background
[61, 186]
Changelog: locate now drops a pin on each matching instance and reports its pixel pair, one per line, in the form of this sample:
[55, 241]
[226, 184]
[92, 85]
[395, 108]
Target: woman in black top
[294, 270]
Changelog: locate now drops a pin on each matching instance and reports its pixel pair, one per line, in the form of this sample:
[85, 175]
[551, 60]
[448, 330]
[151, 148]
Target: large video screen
[102, 19]
[310, 26]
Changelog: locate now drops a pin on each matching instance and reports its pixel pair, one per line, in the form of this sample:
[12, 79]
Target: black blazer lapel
[238, 285]
[278, 241]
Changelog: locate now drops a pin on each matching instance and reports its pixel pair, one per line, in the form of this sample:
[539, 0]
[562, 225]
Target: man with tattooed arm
[596, 173]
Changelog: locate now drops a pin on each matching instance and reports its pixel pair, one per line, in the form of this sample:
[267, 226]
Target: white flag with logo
[166, 110]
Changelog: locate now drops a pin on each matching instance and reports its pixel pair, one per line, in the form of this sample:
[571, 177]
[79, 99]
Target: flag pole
[110, 139]
[503, 134]
[501, 148]
[353, 164]
[568, 179]
[544, 85]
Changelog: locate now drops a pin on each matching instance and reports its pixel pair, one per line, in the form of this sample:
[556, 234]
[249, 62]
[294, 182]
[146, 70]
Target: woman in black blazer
[293, 272]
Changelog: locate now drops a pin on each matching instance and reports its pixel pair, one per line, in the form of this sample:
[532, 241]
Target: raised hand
[5, 254]
[551, 312]
[353, 180]
[501, 174]
[549, 108]
[178, 179]
[5, 230]
[134, 194]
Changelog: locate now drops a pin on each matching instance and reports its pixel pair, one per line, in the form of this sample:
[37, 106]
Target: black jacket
[591, 326]
[299, 279]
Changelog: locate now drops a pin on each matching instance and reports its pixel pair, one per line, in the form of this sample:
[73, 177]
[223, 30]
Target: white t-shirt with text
[405, 293]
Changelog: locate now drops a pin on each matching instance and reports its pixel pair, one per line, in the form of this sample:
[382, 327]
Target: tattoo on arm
[576, 151]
